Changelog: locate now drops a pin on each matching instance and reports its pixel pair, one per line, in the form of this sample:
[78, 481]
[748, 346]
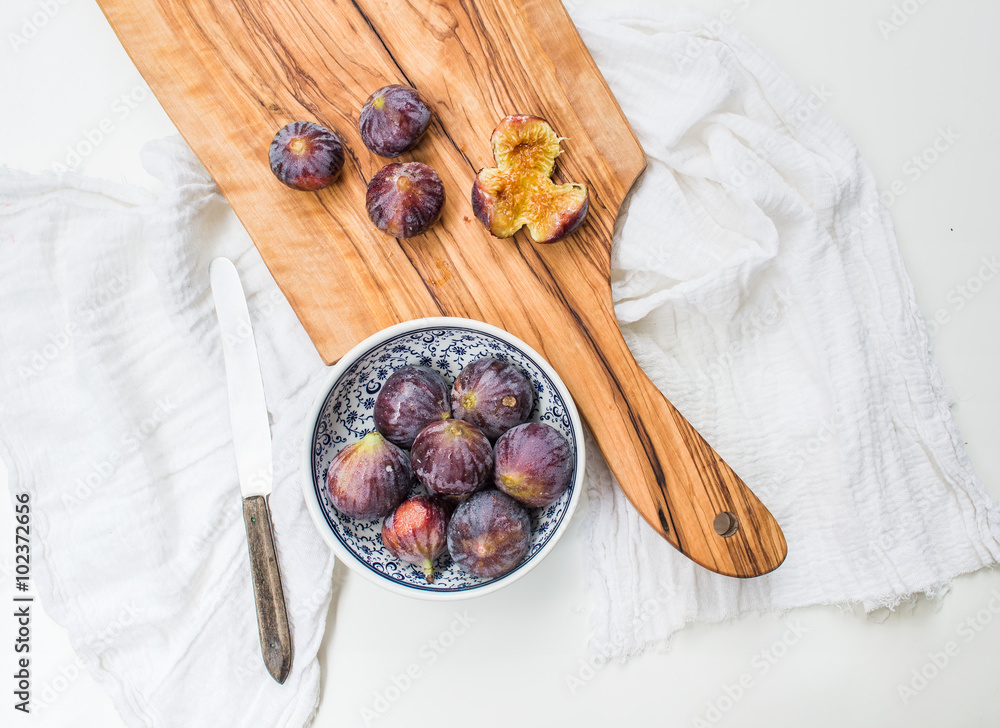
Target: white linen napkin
[114, 418]
[772, 311]
[759, 285]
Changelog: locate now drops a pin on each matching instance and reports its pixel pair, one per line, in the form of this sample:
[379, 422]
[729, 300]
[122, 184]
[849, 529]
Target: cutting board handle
[672, 476]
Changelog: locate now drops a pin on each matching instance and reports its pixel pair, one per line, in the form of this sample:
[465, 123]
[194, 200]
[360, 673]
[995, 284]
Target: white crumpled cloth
[114, 418]
[759, 284]
[757, 280]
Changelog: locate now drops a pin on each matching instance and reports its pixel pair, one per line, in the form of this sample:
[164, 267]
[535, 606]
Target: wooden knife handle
[272, 620]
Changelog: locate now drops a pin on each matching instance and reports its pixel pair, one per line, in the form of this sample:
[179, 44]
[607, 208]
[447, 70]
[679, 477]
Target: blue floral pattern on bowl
[346, 416]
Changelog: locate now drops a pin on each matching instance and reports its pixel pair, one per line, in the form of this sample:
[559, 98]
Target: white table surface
[510, 666]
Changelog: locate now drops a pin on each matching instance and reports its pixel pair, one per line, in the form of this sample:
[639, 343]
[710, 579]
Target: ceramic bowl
[343, 413]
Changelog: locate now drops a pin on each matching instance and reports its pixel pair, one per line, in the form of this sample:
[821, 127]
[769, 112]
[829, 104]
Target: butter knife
[252, 442]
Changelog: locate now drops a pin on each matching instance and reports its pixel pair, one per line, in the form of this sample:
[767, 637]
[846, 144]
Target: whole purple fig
[369, 478]
[416, 532]
[306, 156]
[404, 199]
[493, 395]
[393, 119]
[489, 534]
[533, 464]
[452, 457]
[411, 398]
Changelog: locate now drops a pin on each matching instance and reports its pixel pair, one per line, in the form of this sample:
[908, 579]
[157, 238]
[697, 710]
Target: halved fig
[519, 191]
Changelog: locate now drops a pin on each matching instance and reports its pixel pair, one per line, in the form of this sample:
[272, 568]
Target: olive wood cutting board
[230, 73]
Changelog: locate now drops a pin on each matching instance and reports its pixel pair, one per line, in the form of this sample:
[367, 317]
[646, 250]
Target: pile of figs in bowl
[464, 504]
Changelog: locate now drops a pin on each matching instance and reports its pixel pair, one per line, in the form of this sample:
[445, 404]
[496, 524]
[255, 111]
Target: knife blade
[252, 442]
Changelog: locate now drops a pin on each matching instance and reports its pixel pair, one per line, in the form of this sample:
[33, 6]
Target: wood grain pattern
[231, 72]
[269, 598]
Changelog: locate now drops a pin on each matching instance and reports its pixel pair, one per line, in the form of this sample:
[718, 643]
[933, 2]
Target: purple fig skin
[393, 119]
[533, 464]
[493, 395]
[369, 478]
[410, 399]
[417, 532]
[452, 457]
[306, 156]
[489, 534]
[405, 199]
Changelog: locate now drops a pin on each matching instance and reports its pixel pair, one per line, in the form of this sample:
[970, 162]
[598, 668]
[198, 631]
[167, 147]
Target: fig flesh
[410, 399]
[533, 463]
[519, 191]
[306, 156]
[393, 119]
[405, 199]
[452, 457]
[369, 478]
[417, 532]
[493, 395]
[489, 534]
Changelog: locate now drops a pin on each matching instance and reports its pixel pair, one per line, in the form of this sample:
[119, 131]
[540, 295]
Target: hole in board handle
[726, 524]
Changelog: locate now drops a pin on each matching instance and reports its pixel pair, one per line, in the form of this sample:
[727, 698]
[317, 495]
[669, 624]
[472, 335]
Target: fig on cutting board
[417, 532]
[393, 119]
[369, 478]
[493, 395]
[306, 156]
[519, 191]
[405, 199]
[452, 457]
[533, 464]
[489, 534]
[410, 399]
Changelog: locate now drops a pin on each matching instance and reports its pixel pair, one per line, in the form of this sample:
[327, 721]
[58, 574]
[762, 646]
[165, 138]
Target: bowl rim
[337, 371]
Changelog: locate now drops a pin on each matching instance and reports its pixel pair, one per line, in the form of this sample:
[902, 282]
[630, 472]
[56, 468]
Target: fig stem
[429, 571]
